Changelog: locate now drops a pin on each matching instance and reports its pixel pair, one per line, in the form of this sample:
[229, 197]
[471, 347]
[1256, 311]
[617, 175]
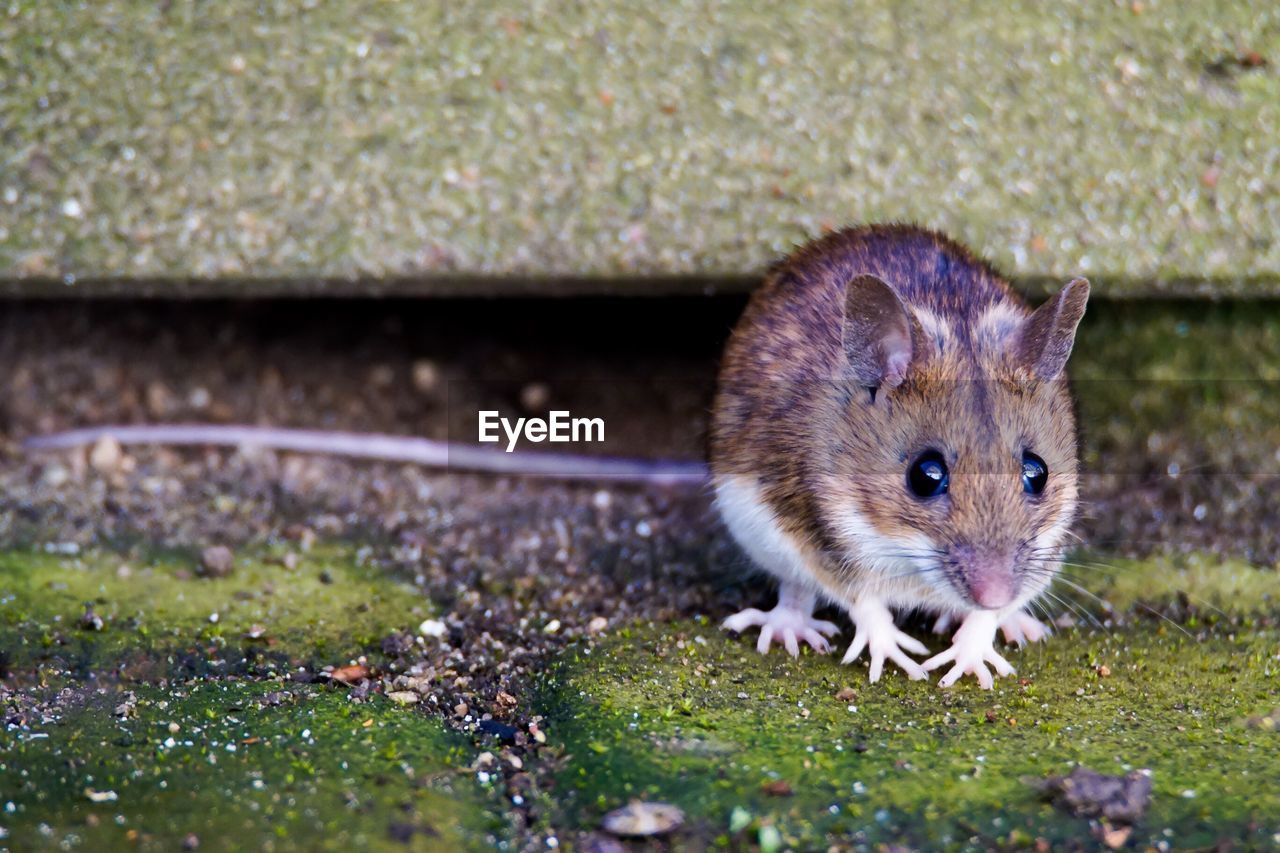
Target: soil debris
[641, 819]
[90, 621]
[350, 674]
[216, 561]
[1087, 793]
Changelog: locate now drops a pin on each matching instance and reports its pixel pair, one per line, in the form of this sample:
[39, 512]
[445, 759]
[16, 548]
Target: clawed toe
[1022, 628]
[882, 640]
[971, 652]
[786, 626]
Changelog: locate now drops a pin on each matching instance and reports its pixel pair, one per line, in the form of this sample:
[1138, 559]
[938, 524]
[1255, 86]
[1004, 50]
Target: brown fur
[790, 417]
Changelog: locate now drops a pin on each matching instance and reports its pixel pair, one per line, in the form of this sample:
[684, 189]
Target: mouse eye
[928, 477]
[1035, 474]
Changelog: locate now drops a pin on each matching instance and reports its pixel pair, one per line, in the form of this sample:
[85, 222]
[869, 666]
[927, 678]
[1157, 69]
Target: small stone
[72, 209]
[1104, 671]
[643, 819]
[534, 397]
[100, 796]
[846, 694]
[350, 674]
[90, 621]
[55, 475]
[502, 731]
[403, 697]
[216, 561]
[426, 376]
[1087, 793]
[769, 838]
[597, 843]
[106, 455]
[1116, 837]
[432, 628]
[551, 627]
[777, 788]
[597, 625]
[461, 709]
[237, 64]
[1265, 722]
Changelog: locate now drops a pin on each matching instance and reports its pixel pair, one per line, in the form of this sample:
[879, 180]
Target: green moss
[156, 612]
[1218, 588]
[1182, 397]
[685, 714]
[240, 766]
[458, 147]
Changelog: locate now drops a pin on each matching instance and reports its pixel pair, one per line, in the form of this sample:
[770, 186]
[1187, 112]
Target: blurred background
[253, 147]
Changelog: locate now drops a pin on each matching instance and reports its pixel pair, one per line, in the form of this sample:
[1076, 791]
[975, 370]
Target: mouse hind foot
[882, 640]
[790, 623]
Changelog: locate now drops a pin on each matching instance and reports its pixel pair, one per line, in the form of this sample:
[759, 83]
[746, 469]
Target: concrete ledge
[175, 147]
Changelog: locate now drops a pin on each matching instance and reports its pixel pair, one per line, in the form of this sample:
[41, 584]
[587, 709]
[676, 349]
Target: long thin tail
[392, 448]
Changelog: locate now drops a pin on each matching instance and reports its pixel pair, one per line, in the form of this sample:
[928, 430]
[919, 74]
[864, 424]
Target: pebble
[502, 731]
[106, 455]
[426, 376]
[432, 628]
[643, 819]
[534, 397]
[90, 621]
[597, 624]
[216, 561]
[404, 697]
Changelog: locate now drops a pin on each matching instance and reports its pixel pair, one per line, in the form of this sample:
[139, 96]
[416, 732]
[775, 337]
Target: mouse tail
[445, 455]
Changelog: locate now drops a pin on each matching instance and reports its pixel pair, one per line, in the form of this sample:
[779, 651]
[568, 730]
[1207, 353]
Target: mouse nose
[987, 575]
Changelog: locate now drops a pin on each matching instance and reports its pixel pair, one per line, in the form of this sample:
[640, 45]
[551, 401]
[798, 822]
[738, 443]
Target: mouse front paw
[972, 649]
[787, 626]
[1022, 628]
[882, 641]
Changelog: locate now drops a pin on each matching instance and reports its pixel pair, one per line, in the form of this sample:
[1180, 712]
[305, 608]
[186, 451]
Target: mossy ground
[165, 723]
[239, 765]
[685, 714]
[158, 606]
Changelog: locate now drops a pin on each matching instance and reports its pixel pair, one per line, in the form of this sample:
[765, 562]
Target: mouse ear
[878, 330]
[1044, 341]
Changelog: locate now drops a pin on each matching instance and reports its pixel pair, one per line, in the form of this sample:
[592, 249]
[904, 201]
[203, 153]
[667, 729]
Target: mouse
[893, 432]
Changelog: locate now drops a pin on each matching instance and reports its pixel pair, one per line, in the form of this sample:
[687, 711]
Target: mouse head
[954, 468]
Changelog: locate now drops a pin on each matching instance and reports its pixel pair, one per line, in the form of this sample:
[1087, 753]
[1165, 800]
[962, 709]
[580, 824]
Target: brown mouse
[893, 431]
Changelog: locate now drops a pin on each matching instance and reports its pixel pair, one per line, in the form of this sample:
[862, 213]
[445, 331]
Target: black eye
[927, 477]
[1035, 474]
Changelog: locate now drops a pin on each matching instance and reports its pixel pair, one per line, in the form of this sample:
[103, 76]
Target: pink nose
[991, 589]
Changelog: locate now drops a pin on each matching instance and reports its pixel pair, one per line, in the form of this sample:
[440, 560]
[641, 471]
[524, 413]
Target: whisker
[1140, 604]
